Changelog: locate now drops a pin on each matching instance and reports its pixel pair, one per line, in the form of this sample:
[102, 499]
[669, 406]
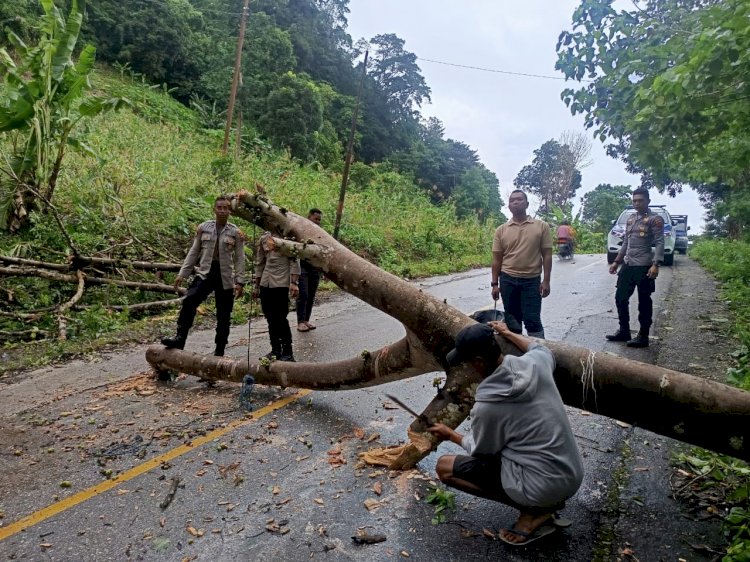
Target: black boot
[286, 353]
[640, 340]
[619, 335]
[175, 342]
[219, 351]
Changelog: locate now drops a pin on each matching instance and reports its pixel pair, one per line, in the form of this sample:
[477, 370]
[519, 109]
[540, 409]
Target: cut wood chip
[372, 504]
[319, 501]
[489, 534]
[623, 424]
[195, 532]
[377, 488]
[359, 433]
[336, 456]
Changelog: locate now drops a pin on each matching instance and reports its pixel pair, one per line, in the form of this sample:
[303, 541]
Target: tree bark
[89, 280]
[674, 404]
[80, 261]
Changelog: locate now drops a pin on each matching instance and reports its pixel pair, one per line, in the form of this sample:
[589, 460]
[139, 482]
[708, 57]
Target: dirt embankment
[695, 326]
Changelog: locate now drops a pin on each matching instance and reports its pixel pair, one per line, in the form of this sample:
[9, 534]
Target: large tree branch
[55, 276]
[62, 321]
[403, 359]
[674, 404]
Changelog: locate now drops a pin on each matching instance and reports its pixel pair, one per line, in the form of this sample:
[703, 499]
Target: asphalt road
[100, 462]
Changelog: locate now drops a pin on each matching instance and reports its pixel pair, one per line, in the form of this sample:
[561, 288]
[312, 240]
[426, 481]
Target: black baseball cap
[476, 340]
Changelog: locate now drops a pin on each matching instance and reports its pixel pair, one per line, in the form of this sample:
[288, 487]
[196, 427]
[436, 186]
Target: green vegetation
[729, 261]
[138, 182]
[43, 100]
[668, 84]
[443, 499]
[156, 172]
[719, 486]
[604, 204]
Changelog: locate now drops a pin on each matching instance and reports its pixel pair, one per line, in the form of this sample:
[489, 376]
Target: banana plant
[43, 98]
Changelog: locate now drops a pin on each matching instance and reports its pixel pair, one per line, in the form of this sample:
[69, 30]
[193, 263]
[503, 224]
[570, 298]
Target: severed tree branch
[55, 276]
[62, 320]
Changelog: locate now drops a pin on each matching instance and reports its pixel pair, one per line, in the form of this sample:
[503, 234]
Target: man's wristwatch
[493, 284]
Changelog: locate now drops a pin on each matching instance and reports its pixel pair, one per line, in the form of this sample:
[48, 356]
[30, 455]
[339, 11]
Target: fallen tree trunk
[674, 404]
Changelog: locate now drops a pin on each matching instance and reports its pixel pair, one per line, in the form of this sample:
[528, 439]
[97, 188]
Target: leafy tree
[18, 16]
[603, 204]
[668, 85]
[292, 114]
[42, 100]
[162, 40]
[551, 176]
[477, 193]
[396, 72]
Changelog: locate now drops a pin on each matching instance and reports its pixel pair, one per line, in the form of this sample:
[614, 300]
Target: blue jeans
[522, 300]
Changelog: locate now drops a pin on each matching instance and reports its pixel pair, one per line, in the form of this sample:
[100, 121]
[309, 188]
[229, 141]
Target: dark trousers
[274, 301]
[309, 280]
[522, 300]
[629, 278]
[197, 293]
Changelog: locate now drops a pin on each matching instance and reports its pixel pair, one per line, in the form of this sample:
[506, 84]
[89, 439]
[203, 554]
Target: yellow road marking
[75, 499]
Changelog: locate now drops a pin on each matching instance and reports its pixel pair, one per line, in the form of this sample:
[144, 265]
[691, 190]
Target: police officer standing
[640, 268]
[217, 257]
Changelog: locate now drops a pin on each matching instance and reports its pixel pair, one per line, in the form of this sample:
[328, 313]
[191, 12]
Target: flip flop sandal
[561, 522]
[311, 326]
[306, 328]
[540, 532]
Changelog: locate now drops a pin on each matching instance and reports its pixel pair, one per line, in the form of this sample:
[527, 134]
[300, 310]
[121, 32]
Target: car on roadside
[615, 236]
[681, 228]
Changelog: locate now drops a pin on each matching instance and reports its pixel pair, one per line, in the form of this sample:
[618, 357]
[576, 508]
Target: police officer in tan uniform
[640, 268]
[217, 257]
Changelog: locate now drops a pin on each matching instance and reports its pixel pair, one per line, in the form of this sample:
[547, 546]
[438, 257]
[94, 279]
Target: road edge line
[84, 495]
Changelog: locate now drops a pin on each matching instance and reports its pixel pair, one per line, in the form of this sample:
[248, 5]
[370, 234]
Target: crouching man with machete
[521, 449]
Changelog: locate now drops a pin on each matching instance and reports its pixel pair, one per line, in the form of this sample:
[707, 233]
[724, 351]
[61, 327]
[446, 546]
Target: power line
[496, 70]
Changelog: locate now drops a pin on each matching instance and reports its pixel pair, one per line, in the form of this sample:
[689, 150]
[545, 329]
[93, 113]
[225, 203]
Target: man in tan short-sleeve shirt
[521, 252]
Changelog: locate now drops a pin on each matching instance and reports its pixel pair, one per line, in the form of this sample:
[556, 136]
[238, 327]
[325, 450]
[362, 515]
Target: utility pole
[348, 156]
[235, 77]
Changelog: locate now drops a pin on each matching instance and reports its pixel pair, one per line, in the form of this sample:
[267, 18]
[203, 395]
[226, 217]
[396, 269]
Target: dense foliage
[156, 174]
[41, 102]
[300, 71]
[668, 83]
[604, 204]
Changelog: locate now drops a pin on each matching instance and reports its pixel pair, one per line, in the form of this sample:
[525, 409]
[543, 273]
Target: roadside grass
[714, 485]
[729, 262]
[717, 484]
[154, 179]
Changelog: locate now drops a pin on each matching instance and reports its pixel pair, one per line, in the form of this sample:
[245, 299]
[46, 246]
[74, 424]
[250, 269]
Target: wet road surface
[107, 464]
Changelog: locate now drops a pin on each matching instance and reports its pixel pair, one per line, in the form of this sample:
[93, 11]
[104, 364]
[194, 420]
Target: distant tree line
[300, 74]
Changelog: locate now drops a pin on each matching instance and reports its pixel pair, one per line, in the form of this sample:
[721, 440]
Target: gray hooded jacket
[520, 416]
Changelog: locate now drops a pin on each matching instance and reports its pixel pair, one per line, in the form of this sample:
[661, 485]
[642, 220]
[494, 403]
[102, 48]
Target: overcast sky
[501, 116]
